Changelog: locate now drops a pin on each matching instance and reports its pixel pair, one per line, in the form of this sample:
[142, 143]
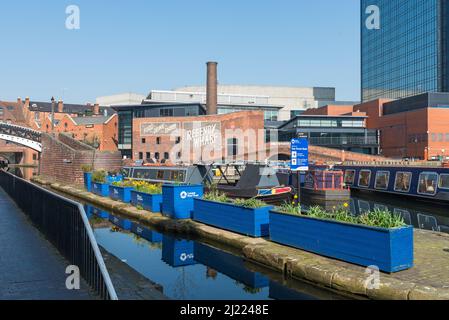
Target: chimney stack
[96, 109]
[212, 88]
[19, 100]
[60, 106]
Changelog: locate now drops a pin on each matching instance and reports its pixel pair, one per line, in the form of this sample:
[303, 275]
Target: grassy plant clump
[290, 208]
[377, 218]
[99, 176]
[86, 168]
[216, 196]
[250, 203]
[140, 186]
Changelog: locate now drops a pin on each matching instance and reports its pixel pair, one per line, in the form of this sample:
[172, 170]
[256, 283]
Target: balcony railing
[337, 141]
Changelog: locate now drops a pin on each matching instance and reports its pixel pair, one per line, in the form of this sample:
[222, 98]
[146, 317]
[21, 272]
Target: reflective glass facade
[405, 57]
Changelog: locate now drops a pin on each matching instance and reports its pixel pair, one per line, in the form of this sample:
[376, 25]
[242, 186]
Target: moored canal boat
[423, 183]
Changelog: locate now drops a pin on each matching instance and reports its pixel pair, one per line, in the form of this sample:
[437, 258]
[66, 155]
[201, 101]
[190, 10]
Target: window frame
[440, 180]
[377, 176]
[396, 180]
[353, 177]
[370, 178]
[436, 186]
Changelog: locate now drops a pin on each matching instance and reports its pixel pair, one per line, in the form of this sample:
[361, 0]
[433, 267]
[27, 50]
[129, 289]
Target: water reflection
[190, 270]
[23, 172]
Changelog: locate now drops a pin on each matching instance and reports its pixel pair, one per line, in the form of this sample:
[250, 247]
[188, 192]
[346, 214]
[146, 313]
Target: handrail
[65, 224]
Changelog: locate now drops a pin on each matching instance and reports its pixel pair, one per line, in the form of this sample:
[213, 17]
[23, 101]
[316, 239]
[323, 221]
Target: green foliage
[377, 218]
[86, 168]
[250, 203]
[140, 186]
[216, 196]
[290, 208]
[99, 176]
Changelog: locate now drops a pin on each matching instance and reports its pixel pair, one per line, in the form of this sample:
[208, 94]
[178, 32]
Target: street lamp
[52, 115]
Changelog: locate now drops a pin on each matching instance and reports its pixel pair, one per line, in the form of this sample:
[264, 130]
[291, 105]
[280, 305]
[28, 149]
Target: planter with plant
[114, 176]
[147, 195]
[377, 238]
[177, 199]
[87, 172]
[99, 185]
[121, 191]
[248, 217]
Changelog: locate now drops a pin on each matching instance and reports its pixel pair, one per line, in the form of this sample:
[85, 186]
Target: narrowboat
[422, 183]
[254, 181]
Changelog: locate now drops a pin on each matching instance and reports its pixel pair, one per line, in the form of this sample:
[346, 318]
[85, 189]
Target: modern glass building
[407, 55]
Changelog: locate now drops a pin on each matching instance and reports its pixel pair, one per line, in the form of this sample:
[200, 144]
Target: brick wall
[62, 158]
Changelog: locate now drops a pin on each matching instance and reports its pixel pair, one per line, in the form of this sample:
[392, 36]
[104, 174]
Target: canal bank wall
[428, 280]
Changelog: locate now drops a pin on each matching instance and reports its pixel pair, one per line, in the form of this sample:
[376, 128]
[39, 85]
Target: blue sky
[138, 45]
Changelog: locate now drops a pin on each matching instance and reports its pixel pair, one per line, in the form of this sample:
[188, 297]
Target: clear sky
[139, 45]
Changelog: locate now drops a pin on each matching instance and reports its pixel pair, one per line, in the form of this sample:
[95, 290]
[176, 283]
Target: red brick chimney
[96, 109]
[19, 100]
[212, 88]
[27, 102]
[60, 106]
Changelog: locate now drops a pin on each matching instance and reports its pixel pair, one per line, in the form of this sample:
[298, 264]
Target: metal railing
[328, 141]
[65, 224]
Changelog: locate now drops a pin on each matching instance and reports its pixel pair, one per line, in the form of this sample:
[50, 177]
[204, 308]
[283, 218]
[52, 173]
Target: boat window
[160, 175]
[403, 181]
[428, 183]
[141, 174]
[427, 222]
[349, 177]
[364, 178]
[364, 207]
[126, 172]
[382, 180]
[444, 181]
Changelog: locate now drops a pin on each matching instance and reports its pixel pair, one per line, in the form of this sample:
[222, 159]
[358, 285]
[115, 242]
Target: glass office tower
[407, 55]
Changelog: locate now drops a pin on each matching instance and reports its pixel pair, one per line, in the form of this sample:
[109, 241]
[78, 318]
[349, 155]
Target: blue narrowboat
[424, 183]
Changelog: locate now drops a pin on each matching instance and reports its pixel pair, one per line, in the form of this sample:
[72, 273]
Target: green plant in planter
[290, 208]
[250, 203]
[99, 176]
[382, 219]
[86, 168]
[215, 195]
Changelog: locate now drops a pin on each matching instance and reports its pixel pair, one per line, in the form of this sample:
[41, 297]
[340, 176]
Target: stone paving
[30, 267]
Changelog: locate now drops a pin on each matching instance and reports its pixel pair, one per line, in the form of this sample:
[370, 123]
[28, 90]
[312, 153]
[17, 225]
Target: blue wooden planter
[112, 179]
[391, 250]
[88, 181]
[230, 265]
[150, 202]
[101, 189]
[120, 193]
[119, 222]
[249, 222]
[177, 253]
[178, 200]
[145, 233]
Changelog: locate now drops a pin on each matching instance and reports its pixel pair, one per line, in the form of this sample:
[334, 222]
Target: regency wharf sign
[201, 134]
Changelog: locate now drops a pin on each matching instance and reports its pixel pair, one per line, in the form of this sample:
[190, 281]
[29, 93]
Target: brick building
[199, 138]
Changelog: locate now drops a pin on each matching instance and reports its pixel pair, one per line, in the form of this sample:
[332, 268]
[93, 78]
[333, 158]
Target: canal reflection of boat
[229, 265]
[423, 183]
[253, 181]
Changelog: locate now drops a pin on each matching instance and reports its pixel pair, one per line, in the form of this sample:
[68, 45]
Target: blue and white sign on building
[300, 154]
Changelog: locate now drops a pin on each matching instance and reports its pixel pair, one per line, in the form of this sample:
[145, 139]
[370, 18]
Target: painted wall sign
[158, 128]
[201, 134]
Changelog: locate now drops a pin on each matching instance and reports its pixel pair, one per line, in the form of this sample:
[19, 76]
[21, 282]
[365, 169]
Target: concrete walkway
[30, 267]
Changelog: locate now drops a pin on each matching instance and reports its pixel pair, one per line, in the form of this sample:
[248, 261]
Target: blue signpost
[299, 160]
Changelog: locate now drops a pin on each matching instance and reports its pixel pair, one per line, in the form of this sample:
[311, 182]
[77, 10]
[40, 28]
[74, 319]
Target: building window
[403, 181]
[179, 155]
[232, 147]
[140, 155]
[166, 155]
[364, 178]
[158, 140]
[157, 156]
[428, 183]
[178, 140]
[34, 156]
[144, 140]
[168, 112]
[148, 155]
[382, 179]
